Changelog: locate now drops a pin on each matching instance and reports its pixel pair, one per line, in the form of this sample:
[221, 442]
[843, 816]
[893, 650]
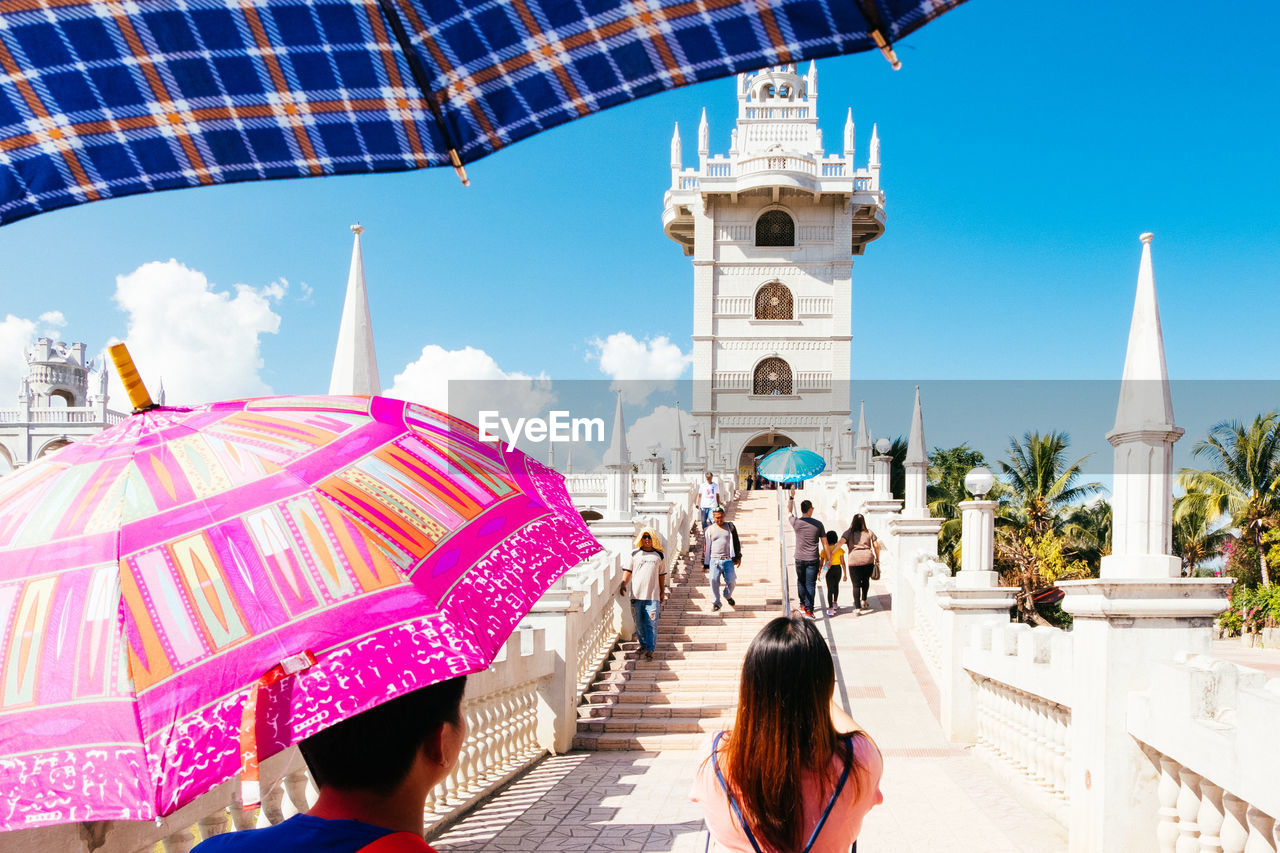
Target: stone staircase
[691, 687]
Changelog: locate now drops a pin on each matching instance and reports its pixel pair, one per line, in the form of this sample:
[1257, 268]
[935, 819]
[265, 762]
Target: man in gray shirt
[722, 551]
[809, 532]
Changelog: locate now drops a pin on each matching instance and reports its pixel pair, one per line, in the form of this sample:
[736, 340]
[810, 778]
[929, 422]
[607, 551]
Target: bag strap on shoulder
[398, 842]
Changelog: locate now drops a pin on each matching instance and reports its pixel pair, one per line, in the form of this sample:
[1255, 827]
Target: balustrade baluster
[1167, 796]
[1061, 763]
[1260, 831]
[1210, 817]
[213, 824]
[1235, 828]
[295, 785]
[179, 842]
[269, 814]
[1188, 808]
[241, 818]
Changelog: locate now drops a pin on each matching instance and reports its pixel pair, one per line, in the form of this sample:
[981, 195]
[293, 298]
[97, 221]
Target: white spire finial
[812, 80]
[704, 135]
[355, 363]
[875, 147]
[677, 159]
[617, 455]
[863, 438]
[915, 442]
[1145, 401]
[849, 139]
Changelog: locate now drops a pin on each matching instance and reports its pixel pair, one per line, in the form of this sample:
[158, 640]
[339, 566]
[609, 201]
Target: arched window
[775, 228]
[773, 377]
[773, 302]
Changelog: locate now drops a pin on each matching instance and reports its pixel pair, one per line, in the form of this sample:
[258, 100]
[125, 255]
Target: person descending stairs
[691, 686]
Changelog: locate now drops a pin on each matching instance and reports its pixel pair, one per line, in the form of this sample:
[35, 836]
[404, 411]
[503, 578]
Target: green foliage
[1242, 562]
[1042, 484]
[898, 468]
[1198, 537]
[1252, 609]
[1087, 530]
[1033, 562]
[1242, 480]
[947, 469]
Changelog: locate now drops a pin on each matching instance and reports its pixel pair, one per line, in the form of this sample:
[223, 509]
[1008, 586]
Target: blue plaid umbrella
[105, 98]
[791, 465]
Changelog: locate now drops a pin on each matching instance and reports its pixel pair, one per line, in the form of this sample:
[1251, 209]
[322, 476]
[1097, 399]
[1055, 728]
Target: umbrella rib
[423, 81]
[878, 33]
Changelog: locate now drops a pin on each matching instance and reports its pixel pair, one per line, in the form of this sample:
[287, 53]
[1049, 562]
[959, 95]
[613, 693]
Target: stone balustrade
[1023, 677]
[61, 415]
[1209, 729]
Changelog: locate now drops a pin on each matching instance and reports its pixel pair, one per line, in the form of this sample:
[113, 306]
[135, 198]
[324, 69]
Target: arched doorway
[756, 449]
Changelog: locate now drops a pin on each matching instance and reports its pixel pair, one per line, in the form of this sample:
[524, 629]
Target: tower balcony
[775, 171]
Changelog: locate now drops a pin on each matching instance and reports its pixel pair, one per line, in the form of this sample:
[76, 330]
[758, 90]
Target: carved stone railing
[1209, 729]
[1023, 677]
[62, 415]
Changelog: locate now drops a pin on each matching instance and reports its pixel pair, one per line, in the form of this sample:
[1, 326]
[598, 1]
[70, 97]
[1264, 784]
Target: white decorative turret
[617, 474]
[1143, 438]
[850, 140]
[917, 467]
[874, 156]
[677, 159]
[355, 364]
[704, 136]
[862, 444]
[677, 449]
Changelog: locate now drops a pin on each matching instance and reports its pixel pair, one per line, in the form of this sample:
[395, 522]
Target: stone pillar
[1139, 613]
[970, 599]
[880, 477]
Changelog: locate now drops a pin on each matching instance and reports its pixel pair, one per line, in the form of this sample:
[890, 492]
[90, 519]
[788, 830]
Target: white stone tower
[55, 404]
[771, 229]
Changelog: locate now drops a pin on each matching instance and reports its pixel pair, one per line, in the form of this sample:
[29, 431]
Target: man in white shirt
[708, 499]
[646, 575]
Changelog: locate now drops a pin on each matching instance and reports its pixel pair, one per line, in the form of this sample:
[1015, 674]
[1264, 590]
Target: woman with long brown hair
[795, 774]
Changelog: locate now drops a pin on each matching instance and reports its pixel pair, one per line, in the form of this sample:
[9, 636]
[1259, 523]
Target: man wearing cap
[722, 551]
[646, 575]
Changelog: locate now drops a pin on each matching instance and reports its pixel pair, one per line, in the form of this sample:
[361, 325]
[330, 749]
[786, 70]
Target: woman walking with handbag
[795, 774]
[863, 559]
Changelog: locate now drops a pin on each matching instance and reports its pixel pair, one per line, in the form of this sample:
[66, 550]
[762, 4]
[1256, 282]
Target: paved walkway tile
[939, 796]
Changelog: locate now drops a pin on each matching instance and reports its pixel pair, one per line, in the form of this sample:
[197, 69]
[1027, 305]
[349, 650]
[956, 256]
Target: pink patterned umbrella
[151, 575]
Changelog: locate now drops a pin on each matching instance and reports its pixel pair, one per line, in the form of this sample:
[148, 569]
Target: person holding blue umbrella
[809, 535]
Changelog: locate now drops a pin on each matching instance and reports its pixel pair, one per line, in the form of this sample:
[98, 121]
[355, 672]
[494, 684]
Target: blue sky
[1023, 154]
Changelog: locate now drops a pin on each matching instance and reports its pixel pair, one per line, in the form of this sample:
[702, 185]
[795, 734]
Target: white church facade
[772, 229]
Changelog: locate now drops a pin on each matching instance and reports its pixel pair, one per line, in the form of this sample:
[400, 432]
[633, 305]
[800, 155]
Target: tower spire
[1144, 391]
[849, 139]
[677, 161]
[862, 443]
[875, 147]
[917, 465]
[618, 454]
[1143, 437]
[704, 136]
[355, 364]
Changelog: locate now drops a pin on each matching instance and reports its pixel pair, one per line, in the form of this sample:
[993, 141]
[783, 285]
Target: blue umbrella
[99, 100]
[791, 465]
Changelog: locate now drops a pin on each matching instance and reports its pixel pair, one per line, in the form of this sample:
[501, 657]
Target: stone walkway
[938, 797]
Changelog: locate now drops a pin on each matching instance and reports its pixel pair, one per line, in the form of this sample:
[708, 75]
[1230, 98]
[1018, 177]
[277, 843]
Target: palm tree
[1088, 532]
[1197, 537]
[1243, 482]
[947, 468]
[1041, 483]
[898, 468]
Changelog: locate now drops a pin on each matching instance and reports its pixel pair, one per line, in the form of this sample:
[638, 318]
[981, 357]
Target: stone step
[639, 742]
[654, 725]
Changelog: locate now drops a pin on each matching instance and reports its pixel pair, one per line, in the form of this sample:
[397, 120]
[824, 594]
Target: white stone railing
[584, 484]
[1209, 729]
[776, 163]
[61, 415]
[740, 305]
[925, 577]
[1022, 677]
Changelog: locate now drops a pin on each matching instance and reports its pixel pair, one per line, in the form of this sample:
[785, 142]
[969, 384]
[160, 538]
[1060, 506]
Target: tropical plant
[1243, 480]
[1042, 484]
[947, 469]
[1087, 530]
[898, 468]
[1033, 562]
[1198, 537]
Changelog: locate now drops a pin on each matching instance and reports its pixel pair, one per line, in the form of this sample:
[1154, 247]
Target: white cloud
[639, 367]
[203, 342]
[16, 334]
[657, 427]
[463, 381]
[50, 322]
